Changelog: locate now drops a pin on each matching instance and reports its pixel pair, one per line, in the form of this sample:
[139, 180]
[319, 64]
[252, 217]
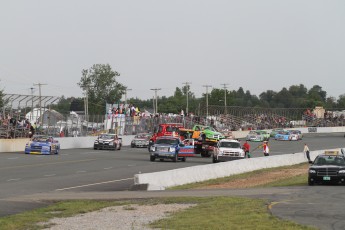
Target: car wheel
[203, 137]
[214, 160]
[152, 158]
[132, 146]
[183, 159]
[310, 183]
[175, 158]
[161, 160]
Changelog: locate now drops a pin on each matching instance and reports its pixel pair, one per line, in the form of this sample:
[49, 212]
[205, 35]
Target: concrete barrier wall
[341, 129]
[164, 179]
[18, 145]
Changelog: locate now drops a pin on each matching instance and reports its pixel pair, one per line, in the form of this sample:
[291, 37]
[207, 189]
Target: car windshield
[209, 128]
[167, 141]
[41, 139]
[142, 136]
[229, 144]
[106, 136]
[330, 160]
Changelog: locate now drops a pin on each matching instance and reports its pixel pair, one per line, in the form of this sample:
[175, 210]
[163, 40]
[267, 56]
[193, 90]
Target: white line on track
[108, 168]
[81, 171]
[14, 179]
[87, 185]
[50, 175]
[12, 158]
[131, 165]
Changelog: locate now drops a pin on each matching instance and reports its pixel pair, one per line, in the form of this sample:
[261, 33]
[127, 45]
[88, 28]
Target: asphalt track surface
[31, 181]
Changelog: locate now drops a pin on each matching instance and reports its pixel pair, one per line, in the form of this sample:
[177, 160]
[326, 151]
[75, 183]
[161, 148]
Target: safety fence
[16, 125]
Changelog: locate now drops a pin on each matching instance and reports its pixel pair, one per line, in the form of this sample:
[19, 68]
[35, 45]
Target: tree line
[100, 87]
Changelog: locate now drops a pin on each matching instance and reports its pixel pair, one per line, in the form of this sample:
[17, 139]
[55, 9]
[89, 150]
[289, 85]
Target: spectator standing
[246, 148]
[306, 151]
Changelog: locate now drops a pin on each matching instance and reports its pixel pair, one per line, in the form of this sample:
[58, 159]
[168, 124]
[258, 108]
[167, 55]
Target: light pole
[126, 95]
[156, 107]
[224, 87]
[41, 117]
[206, 86]
[187, 89]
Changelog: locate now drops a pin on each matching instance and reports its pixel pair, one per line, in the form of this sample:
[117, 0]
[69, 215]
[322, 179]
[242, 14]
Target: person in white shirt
[306, 151]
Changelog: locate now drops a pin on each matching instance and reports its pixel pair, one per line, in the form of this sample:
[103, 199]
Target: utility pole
[126, 89]
[32, 103]
[187, 89]
[156, 108]
[207, 86]
[41, 117]
[224, 87]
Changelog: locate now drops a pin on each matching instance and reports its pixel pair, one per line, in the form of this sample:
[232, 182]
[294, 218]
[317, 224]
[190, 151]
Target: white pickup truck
[227, 150]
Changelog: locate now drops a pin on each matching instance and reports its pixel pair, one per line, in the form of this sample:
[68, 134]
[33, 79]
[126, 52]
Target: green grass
[225, 213]
[209, 213]
[293, 181]
[300, 180]
[28, 220]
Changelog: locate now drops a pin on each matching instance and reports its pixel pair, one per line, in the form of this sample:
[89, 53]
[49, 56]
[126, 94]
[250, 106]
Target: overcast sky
[259, 45]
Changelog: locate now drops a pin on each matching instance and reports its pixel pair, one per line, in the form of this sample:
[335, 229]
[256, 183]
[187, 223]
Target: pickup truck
[227, 150]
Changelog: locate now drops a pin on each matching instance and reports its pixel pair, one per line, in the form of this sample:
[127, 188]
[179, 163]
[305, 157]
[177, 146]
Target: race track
[91, 170]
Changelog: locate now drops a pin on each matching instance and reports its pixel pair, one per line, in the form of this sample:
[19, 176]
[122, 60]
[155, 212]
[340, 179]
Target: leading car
[41, 144]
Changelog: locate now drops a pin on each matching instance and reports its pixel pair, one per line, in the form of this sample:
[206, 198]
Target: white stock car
[108, 141]
[227, 150]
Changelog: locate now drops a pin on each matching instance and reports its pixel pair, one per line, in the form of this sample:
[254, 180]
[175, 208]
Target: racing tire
[203, 138]
[175, 158]
[132, 146]
[152, 158]
[214, 160]
[184, 159]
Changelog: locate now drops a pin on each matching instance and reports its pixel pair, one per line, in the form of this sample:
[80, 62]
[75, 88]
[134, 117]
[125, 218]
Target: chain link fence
[16, 122]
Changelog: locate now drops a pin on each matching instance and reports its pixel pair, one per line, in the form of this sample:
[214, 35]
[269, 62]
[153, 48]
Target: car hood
[100, 139]
[230, 149]
[326, 166]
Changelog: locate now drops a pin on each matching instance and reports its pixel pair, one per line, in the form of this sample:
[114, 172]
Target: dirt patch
[261, 179]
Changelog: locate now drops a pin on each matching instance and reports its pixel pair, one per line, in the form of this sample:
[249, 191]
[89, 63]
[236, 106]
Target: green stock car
[265, 134]
[276, 131]
[208, 133]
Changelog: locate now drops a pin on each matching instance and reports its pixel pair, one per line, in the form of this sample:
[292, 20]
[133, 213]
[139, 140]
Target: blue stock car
[168, 147]
[286, 136]
[42, 144]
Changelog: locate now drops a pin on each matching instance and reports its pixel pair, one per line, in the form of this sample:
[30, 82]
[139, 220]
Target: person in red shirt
[246, 148]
